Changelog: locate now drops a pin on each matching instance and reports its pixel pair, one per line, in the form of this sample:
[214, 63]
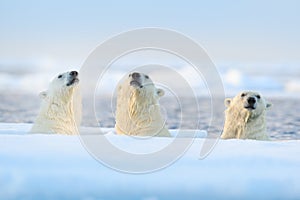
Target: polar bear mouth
[73, 81]
[250, 107]
[136, 83]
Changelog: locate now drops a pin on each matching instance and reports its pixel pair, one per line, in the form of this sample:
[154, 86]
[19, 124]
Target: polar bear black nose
[73, 73]
[251, 100]
[136, 75]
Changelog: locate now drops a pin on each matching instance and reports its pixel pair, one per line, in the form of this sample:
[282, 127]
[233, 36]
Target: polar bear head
[245, 116]
[139, 87]
[60, 110]
[248, 102]
[138, 109]
[62, 86]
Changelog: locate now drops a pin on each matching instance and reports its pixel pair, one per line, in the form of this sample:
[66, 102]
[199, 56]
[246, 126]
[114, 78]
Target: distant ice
[235, 80]
[293, 86]
[30, 76]
[34, 76]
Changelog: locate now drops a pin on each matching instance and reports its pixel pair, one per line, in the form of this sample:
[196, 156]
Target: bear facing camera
[245, 117]
[60, 110]
[138, 110]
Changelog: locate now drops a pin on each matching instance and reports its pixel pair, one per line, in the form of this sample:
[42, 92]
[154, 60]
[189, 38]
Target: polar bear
[245, 117]
[60, 110]
[138, 110]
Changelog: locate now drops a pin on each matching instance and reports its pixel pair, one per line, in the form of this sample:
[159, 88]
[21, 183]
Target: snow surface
[44, 166]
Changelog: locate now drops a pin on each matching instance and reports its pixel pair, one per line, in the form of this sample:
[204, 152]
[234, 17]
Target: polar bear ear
[160, 92]
[227, 102]
[43, 94]
[268, 105]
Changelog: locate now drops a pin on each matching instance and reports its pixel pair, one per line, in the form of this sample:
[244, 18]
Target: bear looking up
[60, 110]
[138, 109]
[245, 117]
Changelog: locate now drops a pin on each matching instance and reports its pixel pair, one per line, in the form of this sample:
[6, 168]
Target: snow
[46, 166]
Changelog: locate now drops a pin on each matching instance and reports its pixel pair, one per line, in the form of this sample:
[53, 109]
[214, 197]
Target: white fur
[60, 110]
[138, 109]
[243, 123]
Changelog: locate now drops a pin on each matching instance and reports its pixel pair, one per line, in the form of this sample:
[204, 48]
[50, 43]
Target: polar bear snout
[135, 75]
[72, 78]
[251, 103]
[73, 73]
[136, 80]
[251, 100]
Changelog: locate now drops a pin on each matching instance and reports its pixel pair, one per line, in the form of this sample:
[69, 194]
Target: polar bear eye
[147, 77]
[243, 94]
[258, 96]
[59, 76]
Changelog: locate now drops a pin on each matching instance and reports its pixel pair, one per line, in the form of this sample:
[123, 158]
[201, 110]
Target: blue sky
[231, 31]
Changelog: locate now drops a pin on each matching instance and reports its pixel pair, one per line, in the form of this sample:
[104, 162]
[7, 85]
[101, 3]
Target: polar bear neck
[256, 127]
[62, 96]
[57, 113]
[140, 102]
[140, 115]
[63, 102]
